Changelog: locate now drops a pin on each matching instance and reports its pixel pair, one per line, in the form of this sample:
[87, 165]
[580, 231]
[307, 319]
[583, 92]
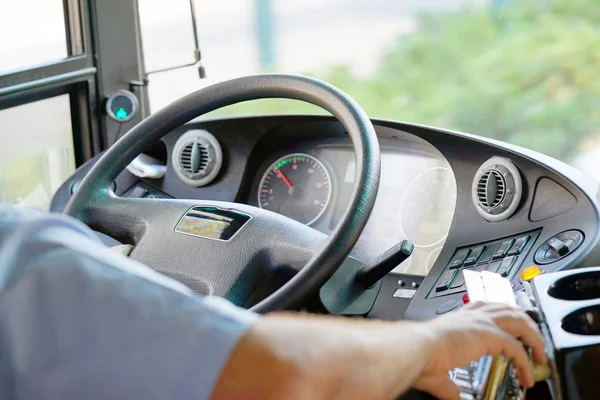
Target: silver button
[401, 283]
[415, 285]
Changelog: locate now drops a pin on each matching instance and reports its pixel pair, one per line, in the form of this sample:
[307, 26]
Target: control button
[519, 245]
[503, 249]
[506, 265]
[480, 267]
[401, 283]
[489, 253]
[458, 258]
[474, 256]
[493, 266]
[459, 281]
[447, 306]
[465, 298]
[558, 246]
[445, 280]
[530, 272]
[414, 285]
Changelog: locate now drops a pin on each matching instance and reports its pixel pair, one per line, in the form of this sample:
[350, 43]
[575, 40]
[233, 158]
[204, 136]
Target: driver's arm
[309, 357]
[77, 321]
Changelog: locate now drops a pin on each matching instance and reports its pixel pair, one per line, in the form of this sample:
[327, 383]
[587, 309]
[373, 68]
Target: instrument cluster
[416, 198]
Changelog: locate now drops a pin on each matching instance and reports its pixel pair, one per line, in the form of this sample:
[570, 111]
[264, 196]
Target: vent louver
[197, 158]
[491, 189]
[194, 157]
[497, 189]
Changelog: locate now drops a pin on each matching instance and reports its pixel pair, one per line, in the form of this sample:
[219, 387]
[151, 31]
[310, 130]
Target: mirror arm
[197, 56]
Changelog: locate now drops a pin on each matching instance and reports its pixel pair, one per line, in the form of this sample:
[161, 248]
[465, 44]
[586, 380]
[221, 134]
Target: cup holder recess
[583, 286]
[585, 321]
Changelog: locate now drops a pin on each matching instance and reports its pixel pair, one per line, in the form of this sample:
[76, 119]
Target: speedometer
[297, 186]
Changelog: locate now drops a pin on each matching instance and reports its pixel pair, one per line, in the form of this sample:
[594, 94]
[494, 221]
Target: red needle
[285, 178]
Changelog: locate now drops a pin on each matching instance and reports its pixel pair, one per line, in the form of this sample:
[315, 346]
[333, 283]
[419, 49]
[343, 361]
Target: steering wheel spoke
[268, 254]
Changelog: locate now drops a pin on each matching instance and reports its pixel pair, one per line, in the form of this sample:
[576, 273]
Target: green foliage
[530, 76]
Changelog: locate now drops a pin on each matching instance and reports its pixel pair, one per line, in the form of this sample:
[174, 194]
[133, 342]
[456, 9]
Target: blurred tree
[533, 80]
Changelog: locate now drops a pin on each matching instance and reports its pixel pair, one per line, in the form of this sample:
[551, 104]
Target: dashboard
[416, 198]
[465, 202]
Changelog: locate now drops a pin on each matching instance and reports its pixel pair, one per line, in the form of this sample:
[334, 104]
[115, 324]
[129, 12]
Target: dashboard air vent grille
[497, 189]
[194, 157]
[197, 158]
[491, 189]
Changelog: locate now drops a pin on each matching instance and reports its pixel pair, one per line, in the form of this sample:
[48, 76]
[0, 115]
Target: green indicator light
[121, 113]
[280, 164]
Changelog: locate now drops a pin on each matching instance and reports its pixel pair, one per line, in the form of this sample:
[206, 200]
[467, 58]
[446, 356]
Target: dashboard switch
[459, 281]
[474, 256]
[558, 247]
[445, 280]
[459, 258]
[506, 266]
[489, 253]
[519, 245]
[494, 265]
[503, 249]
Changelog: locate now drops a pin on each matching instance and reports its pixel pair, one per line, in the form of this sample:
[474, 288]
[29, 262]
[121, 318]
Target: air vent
[491, 189]
[497, 189]
[197, 158]
[194, 157]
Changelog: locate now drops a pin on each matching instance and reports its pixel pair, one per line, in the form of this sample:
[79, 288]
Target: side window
[20, 45]
[37, 152]
[48, 101]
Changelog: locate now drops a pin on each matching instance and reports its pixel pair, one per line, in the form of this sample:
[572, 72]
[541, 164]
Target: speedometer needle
[285, 178]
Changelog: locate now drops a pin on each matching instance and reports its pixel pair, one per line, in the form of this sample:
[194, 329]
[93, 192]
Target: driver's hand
[476, 330]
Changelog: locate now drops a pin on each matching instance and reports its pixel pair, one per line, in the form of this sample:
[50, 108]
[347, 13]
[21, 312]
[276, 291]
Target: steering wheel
[266, 248]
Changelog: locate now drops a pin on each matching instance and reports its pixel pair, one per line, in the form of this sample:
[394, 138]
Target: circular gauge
[428, 207]
[297, 186]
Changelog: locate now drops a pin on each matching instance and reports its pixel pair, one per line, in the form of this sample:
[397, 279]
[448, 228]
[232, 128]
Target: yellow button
[530, 272]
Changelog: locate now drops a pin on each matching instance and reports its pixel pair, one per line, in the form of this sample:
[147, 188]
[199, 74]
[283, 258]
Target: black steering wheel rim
[96, 187]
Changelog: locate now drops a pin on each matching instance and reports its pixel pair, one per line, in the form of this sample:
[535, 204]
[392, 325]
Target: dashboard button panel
[506, 266]
[474, 256]
[459, 258]
[445, 280]
[518, 246]
[489, 253]
[503, 256]
[493, 266]
[503, 249]
[459, 281]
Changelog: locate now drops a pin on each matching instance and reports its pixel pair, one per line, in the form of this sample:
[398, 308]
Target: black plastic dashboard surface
[250, 145]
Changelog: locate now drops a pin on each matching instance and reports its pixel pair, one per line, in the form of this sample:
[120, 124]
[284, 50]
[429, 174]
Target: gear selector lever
[372, 272]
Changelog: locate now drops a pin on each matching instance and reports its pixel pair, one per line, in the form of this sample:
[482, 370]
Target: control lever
[372, 272]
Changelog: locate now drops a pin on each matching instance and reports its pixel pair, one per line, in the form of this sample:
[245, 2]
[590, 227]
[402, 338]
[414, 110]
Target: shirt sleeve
[79, 321]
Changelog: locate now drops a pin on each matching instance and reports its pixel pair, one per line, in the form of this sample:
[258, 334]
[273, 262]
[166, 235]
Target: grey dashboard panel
[466, 153]
[249, 142]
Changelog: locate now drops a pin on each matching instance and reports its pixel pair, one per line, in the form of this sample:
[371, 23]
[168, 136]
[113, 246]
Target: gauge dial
[297, 186]
[428, 207]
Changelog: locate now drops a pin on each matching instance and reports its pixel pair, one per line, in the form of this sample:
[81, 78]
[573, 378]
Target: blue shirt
[80, 322]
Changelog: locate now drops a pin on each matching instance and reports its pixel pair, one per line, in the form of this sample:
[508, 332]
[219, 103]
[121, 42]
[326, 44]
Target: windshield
[521, 71]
